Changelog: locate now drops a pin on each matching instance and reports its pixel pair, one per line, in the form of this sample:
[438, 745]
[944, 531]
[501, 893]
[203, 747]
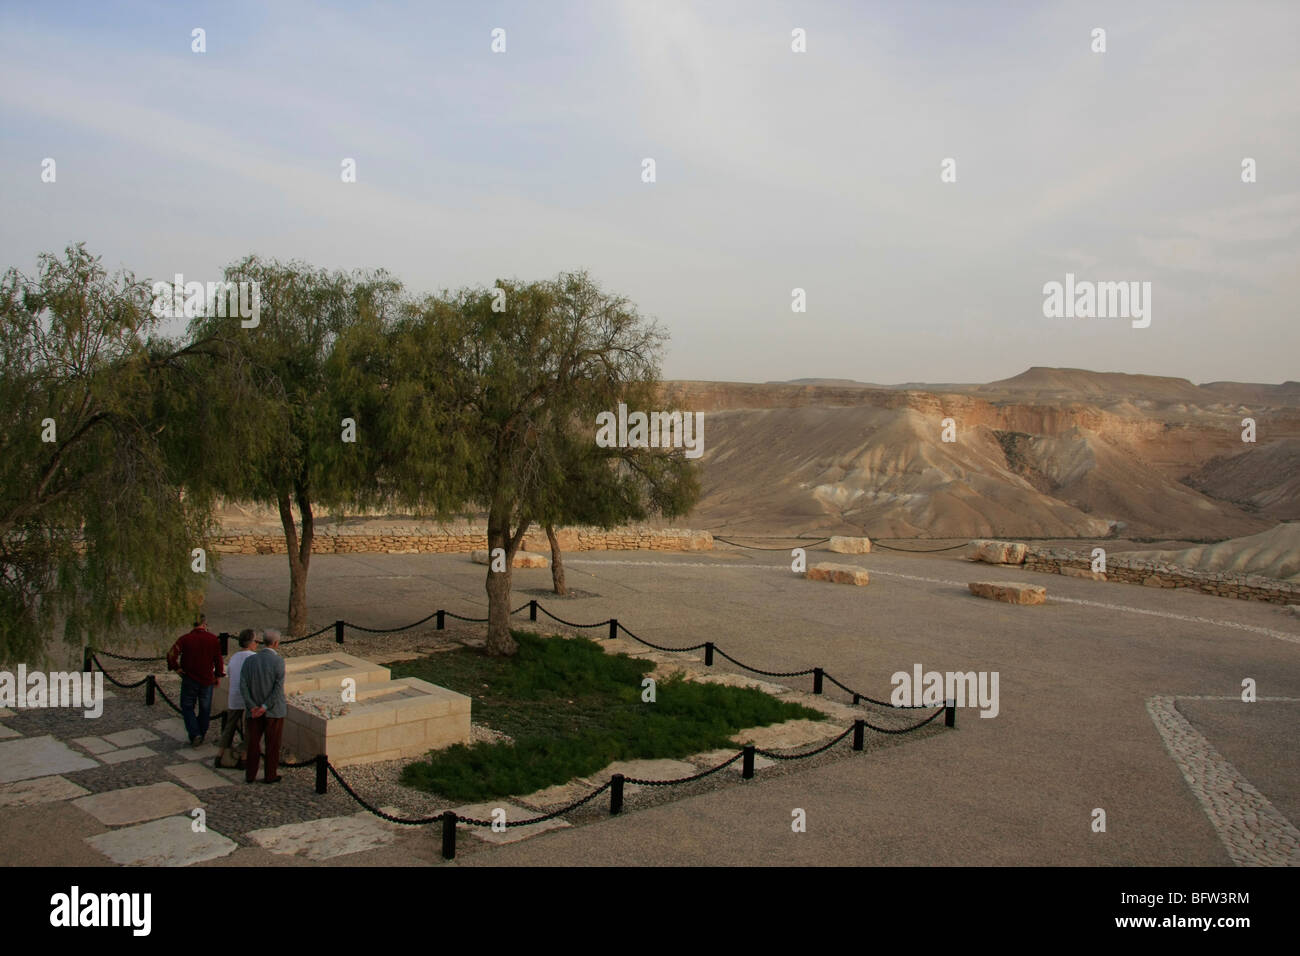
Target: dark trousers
[272, 728]
[234, 722]
[192, 692]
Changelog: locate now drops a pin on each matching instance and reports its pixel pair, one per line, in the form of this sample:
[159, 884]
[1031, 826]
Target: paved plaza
[1113, 697]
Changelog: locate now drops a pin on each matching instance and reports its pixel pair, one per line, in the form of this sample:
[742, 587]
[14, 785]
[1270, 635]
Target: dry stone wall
[1152, 574]
[413, 540]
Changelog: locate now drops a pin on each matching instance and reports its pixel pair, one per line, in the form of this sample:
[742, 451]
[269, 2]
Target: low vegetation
[572, 709]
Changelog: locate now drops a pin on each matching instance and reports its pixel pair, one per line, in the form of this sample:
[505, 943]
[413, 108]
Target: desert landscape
[1049, 453]
[764, 436]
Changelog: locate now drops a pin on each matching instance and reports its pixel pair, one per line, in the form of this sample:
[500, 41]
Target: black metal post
[708, 653]
[441, 622]
[149, 690]
[532, 610]
[817, 680]
[322, 776]
[616, 793]
[747, 768]
[859, 726]
[449, 835]
[857, 699]
[224, 638]
[87, 660]
[613, 628]
[950, 713]
[338, 632]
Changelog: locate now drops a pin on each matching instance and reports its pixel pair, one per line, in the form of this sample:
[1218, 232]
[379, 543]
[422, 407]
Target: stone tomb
[317, 672]
[401, 718]
[389, 718]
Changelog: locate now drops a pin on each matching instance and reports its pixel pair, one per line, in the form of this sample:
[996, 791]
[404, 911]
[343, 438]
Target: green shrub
[572, 709]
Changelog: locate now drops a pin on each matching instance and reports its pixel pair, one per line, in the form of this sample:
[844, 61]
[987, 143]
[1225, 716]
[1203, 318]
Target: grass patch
[572, 709]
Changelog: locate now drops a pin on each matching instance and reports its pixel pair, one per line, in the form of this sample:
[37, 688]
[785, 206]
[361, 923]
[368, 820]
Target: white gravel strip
[1253, 831]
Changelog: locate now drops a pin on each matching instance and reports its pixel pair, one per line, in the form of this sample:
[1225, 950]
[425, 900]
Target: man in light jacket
[261, 684]
[234, 702]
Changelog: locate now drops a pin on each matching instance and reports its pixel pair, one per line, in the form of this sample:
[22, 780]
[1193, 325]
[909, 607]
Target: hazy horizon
[775, 170]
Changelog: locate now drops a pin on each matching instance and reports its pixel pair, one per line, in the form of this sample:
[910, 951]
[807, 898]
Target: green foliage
[520, 368]
[95, 532]
[285, 384]
[289, 390]
[457, 403]
[573, 709]
[404, 382]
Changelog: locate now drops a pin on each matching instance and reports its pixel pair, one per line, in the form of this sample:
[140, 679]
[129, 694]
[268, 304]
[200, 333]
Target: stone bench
[842, 545]
[1009, 592]
[838, 574]
[997, 552]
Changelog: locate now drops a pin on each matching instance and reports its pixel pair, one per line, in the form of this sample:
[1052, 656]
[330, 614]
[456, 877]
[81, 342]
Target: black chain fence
[533, 607]
[449, 819]
[803, 542]
[878, 544]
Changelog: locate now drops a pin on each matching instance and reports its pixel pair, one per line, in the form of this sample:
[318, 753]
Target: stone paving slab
[205, 752]
[170, 841]
[740, 680]
[172, 727]
[129, 738]
[130, 753]
[26, 793]
[645, 770]
[483, 811]
[641, 769]
[27, 757]
[791, 734]
[137, 804]
[198, 777]
[557, 795]
[329, 837]
[7, 733]
[96, 745]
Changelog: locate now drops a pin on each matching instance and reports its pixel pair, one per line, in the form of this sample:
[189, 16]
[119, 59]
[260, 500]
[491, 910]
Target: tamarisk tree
[606, 487]
[95, 532]
[310, 448]
[528, 361]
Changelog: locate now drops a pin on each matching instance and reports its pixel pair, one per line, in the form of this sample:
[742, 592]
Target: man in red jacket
[197, 655]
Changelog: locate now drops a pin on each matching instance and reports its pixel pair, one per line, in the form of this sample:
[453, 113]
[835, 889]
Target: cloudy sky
[775, 169]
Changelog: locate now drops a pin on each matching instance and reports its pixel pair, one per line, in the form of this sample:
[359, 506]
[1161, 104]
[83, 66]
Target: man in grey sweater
[261, 684]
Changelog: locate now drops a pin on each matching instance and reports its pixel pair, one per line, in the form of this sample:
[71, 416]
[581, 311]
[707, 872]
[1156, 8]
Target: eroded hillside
[1052, 452]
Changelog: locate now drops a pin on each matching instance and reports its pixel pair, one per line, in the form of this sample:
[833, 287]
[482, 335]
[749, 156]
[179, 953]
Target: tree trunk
[499, 641]
[557, 563]
[299, 551]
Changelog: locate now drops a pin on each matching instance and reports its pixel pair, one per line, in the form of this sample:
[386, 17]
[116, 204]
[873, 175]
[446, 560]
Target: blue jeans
[192, 692]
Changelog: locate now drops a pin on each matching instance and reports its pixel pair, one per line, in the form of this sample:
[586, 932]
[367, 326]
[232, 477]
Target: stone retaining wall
[1153, 574]
[408, 540]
